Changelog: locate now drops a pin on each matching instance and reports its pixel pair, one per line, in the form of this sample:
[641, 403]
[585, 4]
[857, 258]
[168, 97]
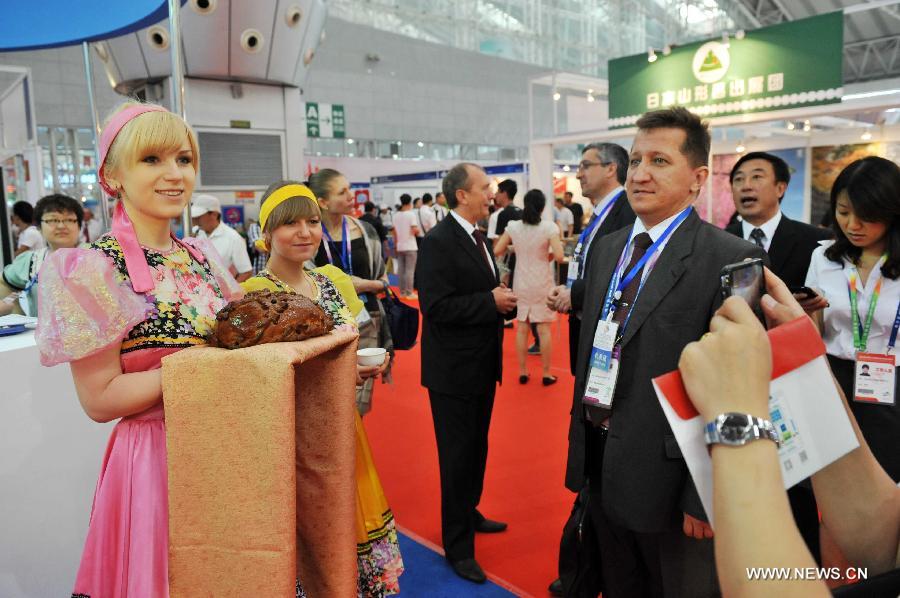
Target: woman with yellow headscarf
[291, 224]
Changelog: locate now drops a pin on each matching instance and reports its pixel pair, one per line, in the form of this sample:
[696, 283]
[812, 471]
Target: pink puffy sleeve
[231, 289]
[83, 306]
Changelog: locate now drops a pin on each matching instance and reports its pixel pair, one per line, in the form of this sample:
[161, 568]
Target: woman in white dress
[535, 242]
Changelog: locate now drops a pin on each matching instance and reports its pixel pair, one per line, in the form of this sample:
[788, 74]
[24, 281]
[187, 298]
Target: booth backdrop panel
[828, 162]
[261, 460]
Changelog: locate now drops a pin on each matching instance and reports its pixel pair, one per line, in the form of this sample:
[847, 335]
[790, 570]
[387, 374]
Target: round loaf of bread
[268, 317]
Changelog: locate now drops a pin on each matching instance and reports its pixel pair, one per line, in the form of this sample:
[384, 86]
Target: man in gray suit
[645, 510]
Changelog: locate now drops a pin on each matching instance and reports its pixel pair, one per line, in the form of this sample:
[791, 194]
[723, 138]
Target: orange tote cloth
[261, 459]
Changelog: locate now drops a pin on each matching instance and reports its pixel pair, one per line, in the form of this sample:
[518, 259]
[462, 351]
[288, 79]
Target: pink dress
[86, 305]
[533, 276]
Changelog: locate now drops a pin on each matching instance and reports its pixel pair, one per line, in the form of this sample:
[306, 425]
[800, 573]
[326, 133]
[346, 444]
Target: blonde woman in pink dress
[535, 242]
[113, 311]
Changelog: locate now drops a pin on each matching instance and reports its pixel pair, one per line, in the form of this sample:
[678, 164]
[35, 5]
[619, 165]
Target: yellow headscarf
[278, 197]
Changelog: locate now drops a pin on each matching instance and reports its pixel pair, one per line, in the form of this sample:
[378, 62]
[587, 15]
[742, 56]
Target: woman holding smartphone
[858, 312]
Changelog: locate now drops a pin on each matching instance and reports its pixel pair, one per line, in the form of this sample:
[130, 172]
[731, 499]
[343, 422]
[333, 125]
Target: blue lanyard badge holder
[606, 351]
[876, 373]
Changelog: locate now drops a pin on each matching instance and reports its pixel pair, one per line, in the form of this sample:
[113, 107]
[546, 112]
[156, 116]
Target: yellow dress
[377, 548]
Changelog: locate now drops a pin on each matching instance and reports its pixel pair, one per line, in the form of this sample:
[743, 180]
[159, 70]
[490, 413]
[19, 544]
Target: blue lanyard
[617, 284]
[894, 330]
[586, 233]
[345, 249]
[34, 280]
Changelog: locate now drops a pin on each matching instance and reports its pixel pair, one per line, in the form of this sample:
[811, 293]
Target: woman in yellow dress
[291, 224]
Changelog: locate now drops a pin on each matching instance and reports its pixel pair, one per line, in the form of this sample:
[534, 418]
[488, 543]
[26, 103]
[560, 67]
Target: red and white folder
[804, 406]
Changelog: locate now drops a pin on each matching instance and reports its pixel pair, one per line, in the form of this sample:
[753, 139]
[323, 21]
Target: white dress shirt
[599, 208]
[31, 238]
[427, 217]
[231, 247]
[833, 279]
[492, 224]
[655, 233]
[768, 229]
[470, 229]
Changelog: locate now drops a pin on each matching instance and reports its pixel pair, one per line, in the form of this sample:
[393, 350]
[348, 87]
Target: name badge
[875, 379]
[604, 366]
[572, 274]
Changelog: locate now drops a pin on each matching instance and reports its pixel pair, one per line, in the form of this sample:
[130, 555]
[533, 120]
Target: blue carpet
[428, 574]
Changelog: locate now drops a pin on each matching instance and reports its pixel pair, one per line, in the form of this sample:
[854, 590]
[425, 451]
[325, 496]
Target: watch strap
[738, 429]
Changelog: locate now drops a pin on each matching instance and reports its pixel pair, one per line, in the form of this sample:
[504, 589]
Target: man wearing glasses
[601, 173]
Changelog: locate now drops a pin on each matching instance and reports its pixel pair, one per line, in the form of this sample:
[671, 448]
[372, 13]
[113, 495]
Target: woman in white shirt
[859, 272]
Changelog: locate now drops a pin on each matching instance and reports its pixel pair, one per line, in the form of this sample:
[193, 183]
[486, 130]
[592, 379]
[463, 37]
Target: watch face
[734, 428]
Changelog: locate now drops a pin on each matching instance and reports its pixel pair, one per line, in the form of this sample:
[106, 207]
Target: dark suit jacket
[462, 333]
[645, 484]
[620, 216]
[791, 248]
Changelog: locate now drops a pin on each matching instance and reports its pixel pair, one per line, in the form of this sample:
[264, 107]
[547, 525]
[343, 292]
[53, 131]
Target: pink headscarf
[122, 228]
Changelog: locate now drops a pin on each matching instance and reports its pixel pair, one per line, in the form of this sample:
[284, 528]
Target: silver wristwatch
[737, 429]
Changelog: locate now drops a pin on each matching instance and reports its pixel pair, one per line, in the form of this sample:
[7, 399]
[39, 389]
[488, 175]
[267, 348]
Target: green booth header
[792, 64]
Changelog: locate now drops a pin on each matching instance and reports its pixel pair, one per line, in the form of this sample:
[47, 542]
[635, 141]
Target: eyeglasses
[65, 222]
[585, 164]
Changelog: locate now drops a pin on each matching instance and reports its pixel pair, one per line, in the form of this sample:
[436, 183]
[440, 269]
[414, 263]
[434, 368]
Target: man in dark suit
[601, 173]
[644, 508]
[463, 308]
[758, 183]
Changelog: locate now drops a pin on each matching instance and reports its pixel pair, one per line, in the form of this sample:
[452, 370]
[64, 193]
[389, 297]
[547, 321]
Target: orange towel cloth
[261, 458]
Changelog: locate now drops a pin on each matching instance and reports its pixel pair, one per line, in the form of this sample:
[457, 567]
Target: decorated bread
[268, 317]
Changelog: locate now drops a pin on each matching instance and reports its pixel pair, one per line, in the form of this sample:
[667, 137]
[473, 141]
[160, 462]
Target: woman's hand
[364, 372]
[729, 369]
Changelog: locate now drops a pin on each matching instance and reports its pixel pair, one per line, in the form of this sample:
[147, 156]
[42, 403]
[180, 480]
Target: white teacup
[370, 357]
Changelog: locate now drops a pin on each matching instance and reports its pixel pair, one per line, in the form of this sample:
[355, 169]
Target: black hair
[872, 186]
[779, 166]
[509, 187]
[696, 132]
[58, 202]
[369, 207]
[534, 202]
[427, 198]
[24, 211]
[405, 199]
[611, 153]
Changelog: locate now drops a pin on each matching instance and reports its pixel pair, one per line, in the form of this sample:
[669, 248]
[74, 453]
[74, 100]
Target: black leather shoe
[470, 570]
[487, 526]
[556, 587]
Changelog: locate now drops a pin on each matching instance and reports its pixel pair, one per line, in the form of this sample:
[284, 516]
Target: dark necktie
[598, 415]
[641, 243]
[482, 247]
[757, 236]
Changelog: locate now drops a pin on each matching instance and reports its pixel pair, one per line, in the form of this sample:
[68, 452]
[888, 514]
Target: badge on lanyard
[875, 378]
[606, 349]
[604, 366]
[574, 266]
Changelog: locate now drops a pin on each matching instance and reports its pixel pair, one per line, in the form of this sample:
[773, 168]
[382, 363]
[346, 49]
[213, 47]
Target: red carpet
[525, 469]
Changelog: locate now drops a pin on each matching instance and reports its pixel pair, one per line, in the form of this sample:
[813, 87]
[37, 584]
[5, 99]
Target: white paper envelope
[804, 407]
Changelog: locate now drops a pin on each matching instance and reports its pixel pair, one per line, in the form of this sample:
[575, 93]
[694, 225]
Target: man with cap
[206, 213]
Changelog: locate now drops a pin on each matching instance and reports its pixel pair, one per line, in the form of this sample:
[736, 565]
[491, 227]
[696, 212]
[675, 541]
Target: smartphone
[746, 279]
[804, 292]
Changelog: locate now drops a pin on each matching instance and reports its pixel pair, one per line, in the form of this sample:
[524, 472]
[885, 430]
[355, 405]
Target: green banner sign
[792, 64]
[325, 120]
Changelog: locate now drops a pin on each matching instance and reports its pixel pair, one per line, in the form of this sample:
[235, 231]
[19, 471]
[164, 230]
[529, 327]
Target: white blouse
[833, 279]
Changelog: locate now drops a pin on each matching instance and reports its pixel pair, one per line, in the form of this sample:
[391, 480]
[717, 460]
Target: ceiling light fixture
[421, 144]
[567, 168]
[740, 148]
[791, 126]
[556, 96]
[866, 136]
[651, 55]
[807, 126]
[350, 141]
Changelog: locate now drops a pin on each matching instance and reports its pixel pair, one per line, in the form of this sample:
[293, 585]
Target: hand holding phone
[803, 293]
[746, 279]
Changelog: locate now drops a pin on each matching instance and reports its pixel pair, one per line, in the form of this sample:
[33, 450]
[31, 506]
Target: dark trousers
[461, 425]
[637, 565]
